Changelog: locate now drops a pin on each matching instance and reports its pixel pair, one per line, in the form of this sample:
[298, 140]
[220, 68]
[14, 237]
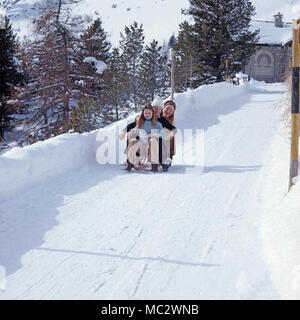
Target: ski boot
[154, 167]
[129, 166]
[168, 162]
[165, 167]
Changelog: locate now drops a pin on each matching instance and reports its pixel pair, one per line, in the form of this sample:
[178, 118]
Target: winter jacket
[164, 122]
[147, 129]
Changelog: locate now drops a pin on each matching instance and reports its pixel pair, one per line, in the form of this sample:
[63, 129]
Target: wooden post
[226, 74]
[172, 75]
[295, 103]
[172, 42]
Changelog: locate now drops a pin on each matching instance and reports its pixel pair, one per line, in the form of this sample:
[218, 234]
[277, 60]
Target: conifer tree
[188, 63]
[152, 75]
[10, 74]
[95, 41]
[222, 32]
[83, 116]
[90, 84]
[132, 44]
[117, 82]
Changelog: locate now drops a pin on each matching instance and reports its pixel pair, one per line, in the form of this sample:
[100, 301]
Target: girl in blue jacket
[147, 132]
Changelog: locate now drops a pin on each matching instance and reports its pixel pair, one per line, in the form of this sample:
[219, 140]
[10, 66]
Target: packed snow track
[98, 232]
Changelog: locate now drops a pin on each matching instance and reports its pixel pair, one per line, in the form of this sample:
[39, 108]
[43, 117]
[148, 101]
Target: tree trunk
[218, 65]
[191, 73]
[117, 112]
[58, 11]
[66, 85]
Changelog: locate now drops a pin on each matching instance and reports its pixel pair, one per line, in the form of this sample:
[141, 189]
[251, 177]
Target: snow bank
[22, 167]
[281, 217]
[28, 165]
[206, 96]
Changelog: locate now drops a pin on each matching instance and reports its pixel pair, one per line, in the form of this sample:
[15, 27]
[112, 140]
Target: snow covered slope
[160, 18]
[96, 232]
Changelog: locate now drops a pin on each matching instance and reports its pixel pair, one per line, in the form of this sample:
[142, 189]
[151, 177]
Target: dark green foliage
[95, 41]
[84, 116]
[188, 71]
[117, 83]
[9, 73]
[91, 84]
[152, 75]
[221, 32]
[132, 45]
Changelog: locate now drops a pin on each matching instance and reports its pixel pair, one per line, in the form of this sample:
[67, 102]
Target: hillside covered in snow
[160, 18]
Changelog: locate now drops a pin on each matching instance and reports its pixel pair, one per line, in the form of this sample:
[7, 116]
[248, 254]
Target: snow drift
[281, 218]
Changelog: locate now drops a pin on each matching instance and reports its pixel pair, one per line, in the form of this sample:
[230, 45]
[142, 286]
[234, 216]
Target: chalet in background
[270, 63]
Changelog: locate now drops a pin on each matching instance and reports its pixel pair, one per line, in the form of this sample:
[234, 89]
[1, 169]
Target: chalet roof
[271, 35]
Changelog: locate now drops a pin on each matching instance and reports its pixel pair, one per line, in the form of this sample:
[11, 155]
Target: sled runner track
[99, 232]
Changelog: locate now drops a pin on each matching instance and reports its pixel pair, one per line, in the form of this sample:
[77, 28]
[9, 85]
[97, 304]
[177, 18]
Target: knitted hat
[157, 102]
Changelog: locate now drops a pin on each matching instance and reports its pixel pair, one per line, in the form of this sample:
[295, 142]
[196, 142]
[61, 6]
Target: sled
[140, 166]
[145, 167]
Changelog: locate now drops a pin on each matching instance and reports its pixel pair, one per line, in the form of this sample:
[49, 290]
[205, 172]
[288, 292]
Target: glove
[122, 135]
[144, 139]
[134, 131]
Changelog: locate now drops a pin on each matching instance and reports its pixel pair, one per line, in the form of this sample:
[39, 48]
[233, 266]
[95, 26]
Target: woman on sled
[143, 140]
